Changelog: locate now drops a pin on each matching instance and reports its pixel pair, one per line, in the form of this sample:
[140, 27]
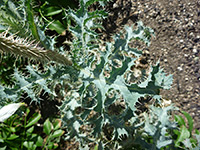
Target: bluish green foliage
[105, 86]
[7, 69]
[92, 95]
[85, 37]
[35, 82]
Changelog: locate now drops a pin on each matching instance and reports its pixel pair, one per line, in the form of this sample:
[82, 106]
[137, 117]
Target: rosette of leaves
[104, 83]
[89, 109]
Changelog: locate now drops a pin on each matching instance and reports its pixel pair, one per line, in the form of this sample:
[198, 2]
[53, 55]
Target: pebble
[196, 59]
[194, 50]
[115, 5]
[180, 68]
[189, 88]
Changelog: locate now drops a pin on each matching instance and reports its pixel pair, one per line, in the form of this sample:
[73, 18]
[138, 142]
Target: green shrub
[20, 132]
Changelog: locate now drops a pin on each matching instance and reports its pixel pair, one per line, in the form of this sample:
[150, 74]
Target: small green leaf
[47, 127]
[57, 133]
[12, 137]
[1, 140]
[30, 145]
[96, 147]
[176, 132]
[30, 130]
[197, 132]
[27, 111]
[180, 120]
[26, 144]
[57, 124]
[35, 119]
[30, 19]
[39, 141]
[184, 134]
[57, 26]
[12, 129]
[33, 135]
[3, 148]
[50, 11]
[190, 121]
[50, 145]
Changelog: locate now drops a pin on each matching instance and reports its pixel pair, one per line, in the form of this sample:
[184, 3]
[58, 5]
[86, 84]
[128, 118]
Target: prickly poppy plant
[109, 93]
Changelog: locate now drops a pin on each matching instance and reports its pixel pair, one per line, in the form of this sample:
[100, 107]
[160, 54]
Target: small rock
[115, 5]
[194, 50]
[196, 59]
[180, 68]
[189, 88]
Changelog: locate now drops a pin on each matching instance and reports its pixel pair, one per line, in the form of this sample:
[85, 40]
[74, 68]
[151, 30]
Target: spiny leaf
[86, 23]
[162, 80]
